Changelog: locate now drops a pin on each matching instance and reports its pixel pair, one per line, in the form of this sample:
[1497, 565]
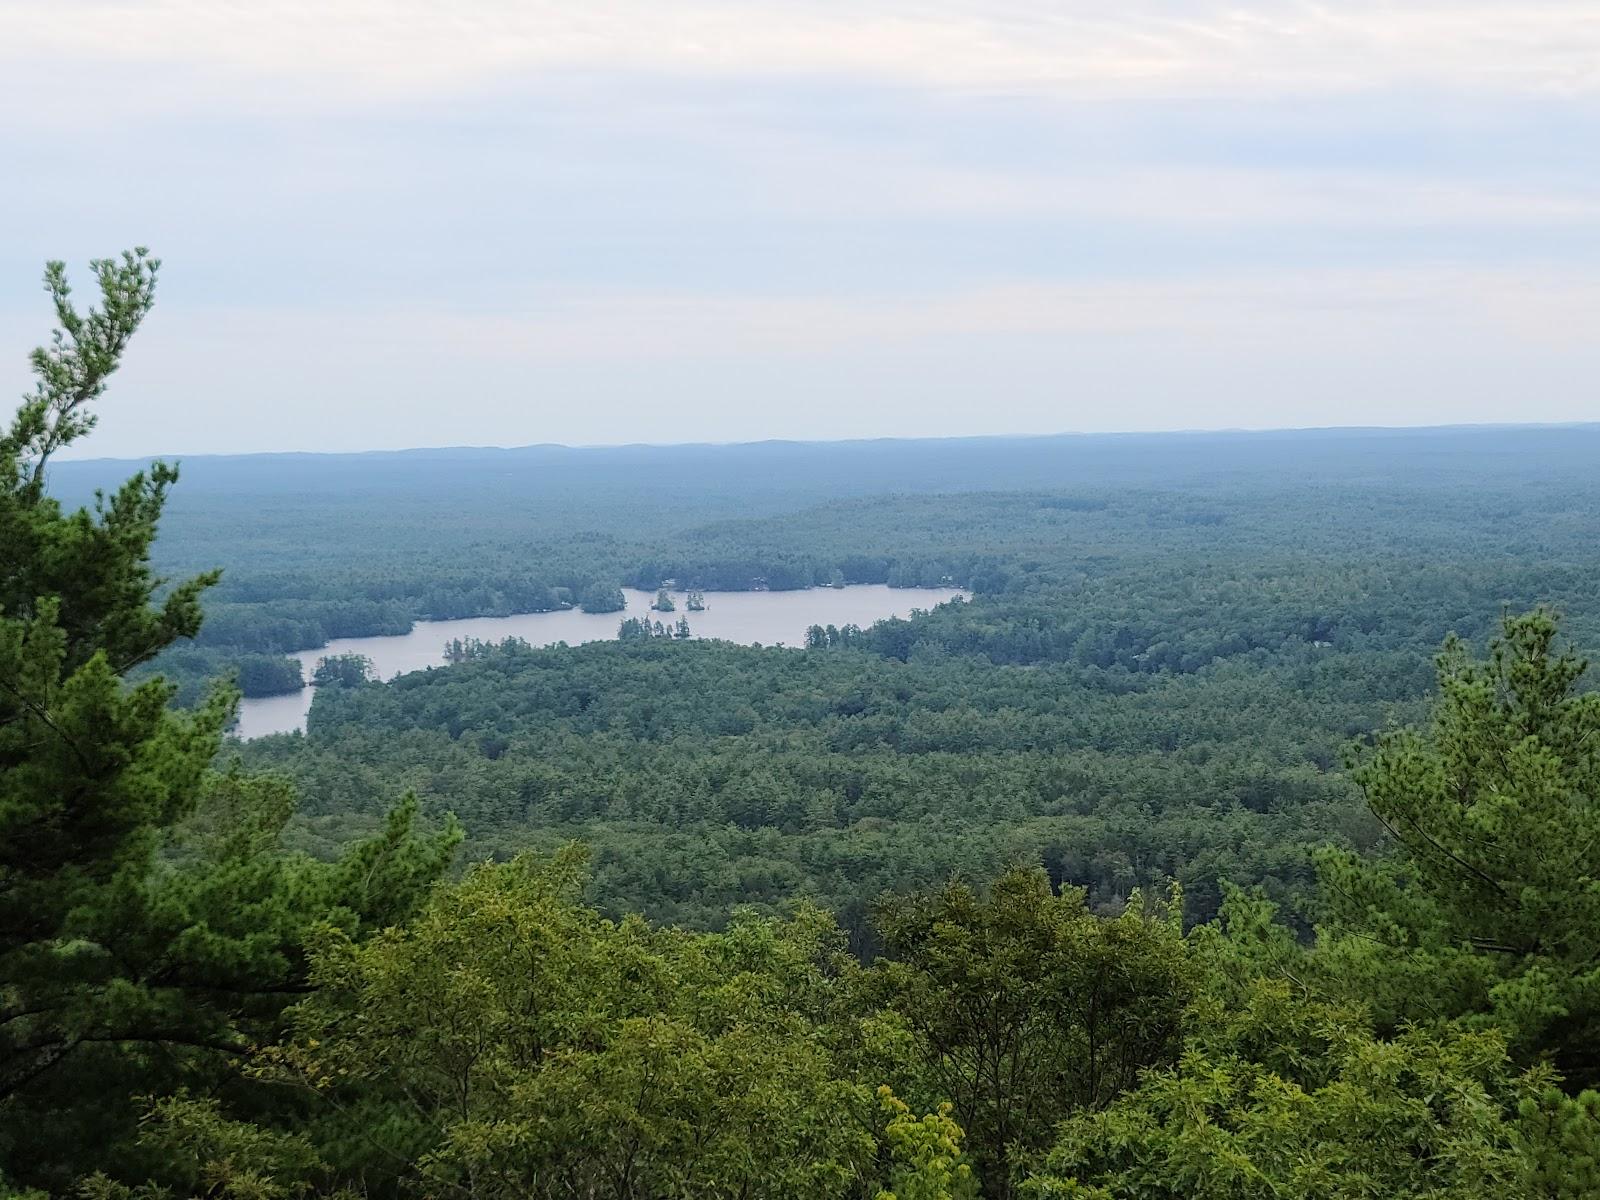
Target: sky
[502, 222]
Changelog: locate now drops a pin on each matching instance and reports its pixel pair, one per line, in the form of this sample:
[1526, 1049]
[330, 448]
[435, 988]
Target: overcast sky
[511, 221]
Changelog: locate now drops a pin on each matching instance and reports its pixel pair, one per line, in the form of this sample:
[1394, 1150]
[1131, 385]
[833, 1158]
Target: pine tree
[1489, 909]
[90, 770]
[151, 926]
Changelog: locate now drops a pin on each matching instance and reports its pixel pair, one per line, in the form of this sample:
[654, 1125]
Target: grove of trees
[1005, 900]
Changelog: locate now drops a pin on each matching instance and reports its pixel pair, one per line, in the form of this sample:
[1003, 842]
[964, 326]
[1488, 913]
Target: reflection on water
[770, 618]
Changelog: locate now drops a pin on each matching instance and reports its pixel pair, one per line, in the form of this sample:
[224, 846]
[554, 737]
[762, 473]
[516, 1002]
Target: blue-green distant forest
[1236, 840]
[321, 546]
[1171, 642]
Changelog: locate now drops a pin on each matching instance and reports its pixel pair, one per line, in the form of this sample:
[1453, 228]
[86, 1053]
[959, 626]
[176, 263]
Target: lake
[768, 618]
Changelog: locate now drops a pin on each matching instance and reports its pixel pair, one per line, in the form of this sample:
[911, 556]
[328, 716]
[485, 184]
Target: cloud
[1242, 313]
[1238, 311]
[305, 50]
[886, 182]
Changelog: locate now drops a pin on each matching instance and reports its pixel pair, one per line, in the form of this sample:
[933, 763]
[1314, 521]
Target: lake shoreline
[297, 651]
[764, 617]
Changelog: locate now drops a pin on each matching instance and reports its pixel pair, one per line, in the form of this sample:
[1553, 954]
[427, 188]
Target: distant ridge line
[846, 444]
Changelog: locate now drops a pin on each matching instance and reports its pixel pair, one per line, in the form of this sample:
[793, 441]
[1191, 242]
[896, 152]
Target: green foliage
[90, 771]
[213, 1155]
[71, 372]
[511, 1042]
[1287, 1090]
[1026, 1007]
[342, 670]
[1191, 629]
[1155, 554]
[268, 675]
[1421, 1116]
[926, 1152]
[152, 927]
[1489, 910]
[601, 597]
[706, 775]
[1562, 1134]
[1284, 1093]
[640, 629]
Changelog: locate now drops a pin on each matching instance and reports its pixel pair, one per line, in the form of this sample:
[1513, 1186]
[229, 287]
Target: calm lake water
[770, 618]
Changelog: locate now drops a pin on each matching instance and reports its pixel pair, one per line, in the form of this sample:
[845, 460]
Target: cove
[768, 618]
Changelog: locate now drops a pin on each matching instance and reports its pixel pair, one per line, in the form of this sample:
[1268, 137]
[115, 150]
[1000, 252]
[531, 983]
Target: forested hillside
[1165, 658]
[1191, 859]
[1157, 539]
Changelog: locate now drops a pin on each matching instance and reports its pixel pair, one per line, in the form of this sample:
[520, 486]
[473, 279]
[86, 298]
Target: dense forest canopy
[1178, 862]
[1348, 529]
[1170, 644]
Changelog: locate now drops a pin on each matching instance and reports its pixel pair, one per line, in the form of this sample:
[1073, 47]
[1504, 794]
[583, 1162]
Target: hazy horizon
[84, 454]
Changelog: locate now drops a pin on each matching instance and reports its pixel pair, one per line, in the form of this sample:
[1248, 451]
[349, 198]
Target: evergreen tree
[1489, 909]
[1284, 1092]
[151, 927]
[90, 770]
